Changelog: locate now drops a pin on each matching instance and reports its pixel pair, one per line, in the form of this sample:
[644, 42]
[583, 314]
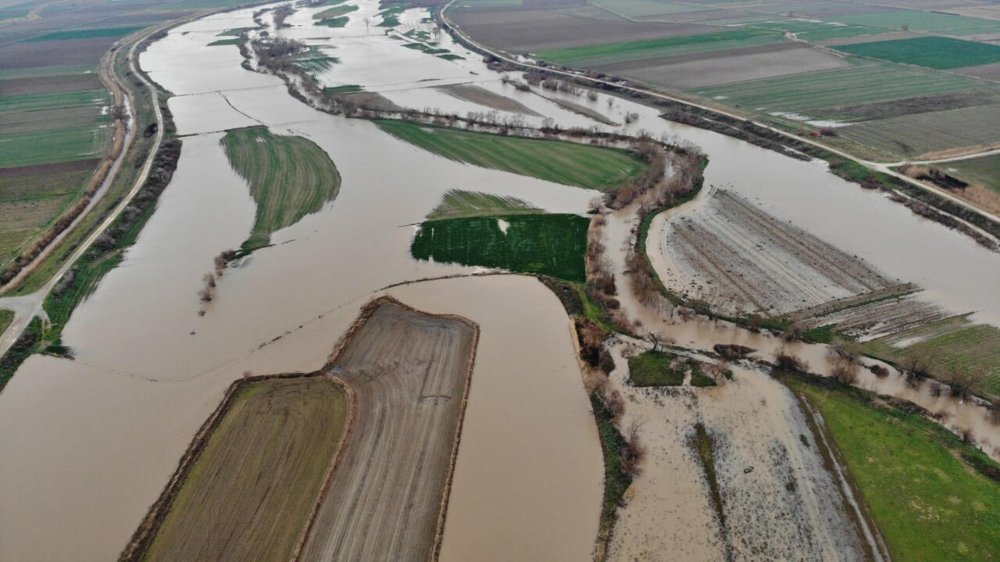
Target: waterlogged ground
[88, 444]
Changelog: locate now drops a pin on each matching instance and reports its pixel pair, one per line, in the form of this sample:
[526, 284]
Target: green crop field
[289, 177]
[922, 21]
[580, 165]
[813, 92]
[60, 100]
[932, 52]
[335, 11]
[460, 204]
[59, 145]
[644, 49]
[221, 42]
[985, 170]
[947, 347]
[918, 478]
[551, 245]
[86, 33]
[251, 490]
[334, 22]
[655, 368]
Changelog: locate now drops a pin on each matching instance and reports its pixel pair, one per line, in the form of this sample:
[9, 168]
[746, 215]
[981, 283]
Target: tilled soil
[410, 373]
[740, 260]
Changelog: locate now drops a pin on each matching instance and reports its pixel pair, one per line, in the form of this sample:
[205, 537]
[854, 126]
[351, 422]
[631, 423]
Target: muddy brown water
[87, 445]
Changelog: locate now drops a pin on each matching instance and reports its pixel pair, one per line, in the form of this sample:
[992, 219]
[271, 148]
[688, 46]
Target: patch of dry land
[482, 96]
[410, 373]
[767, 493]
[249, 482]
[741, 260]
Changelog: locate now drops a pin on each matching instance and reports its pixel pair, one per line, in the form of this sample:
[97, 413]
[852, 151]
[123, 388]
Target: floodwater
[87, 445]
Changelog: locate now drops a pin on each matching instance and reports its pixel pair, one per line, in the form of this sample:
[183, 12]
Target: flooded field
[89, 444]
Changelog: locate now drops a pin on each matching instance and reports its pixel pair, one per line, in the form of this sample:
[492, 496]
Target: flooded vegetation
[378, 157]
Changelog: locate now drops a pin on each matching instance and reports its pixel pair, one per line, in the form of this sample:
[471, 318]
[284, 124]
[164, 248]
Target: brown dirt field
[50, 84]
[919, 104]
[250, 491]
[410, 375]
[986, 71]
[723, 67]
[45, 120]
[536, 30]
[486, 98]
[32, 181]
[43, 53]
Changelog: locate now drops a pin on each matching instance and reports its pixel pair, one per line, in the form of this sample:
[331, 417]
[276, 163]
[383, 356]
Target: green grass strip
[604, 169]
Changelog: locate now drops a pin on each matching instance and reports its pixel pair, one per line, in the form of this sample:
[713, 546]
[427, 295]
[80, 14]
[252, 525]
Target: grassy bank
[604, 169]
[235, 506]
[655, 368]
[547, 244]
[616, 478]
[927, 490]
[290, 177]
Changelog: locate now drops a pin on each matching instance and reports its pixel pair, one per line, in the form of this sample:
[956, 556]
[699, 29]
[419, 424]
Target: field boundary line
[352, 415]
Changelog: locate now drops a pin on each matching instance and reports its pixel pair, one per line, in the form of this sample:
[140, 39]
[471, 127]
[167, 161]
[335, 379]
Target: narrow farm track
[885, 168]
[410, 374]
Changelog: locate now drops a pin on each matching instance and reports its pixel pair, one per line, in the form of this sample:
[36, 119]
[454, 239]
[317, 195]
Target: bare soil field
[731, 65]
[50, 84]
[909, 136]
[986, 71]
[917, 104]
[741, 260]
[537, 30]
[78, 51]
[410, 374]
[775, 497]
[254, 474]
[486, 98]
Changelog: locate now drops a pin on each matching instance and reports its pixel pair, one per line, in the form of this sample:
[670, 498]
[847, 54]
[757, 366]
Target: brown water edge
[137, 547]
